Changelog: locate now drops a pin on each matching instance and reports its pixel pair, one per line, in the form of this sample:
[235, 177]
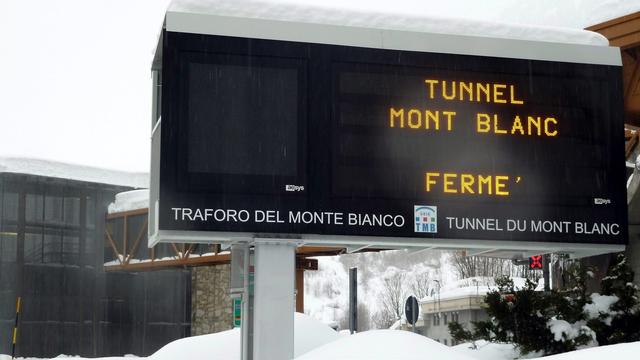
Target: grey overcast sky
[75, 81]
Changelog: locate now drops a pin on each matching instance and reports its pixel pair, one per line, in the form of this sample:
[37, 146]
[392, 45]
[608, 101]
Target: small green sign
[237, 312]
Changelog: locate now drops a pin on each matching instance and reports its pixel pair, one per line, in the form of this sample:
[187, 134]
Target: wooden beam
[113, 244]
[175, 248]
[163, 264]
[300, 290]
[189, 250]
[306, 264]
[132, 253]
[127, 213]
[631, 143]
[623, 32]
[125, 227]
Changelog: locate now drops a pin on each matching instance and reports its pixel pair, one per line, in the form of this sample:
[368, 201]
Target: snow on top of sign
[48, 168]
[130, 200]
[316, 13]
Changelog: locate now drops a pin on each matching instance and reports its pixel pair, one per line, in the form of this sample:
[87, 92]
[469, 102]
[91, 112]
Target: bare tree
[420, 285]
[383, 319]
[471, 266]
[393, 294]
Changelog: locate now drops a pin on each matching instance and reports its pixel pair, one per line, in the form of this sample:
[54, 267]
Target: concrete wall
[211, 306]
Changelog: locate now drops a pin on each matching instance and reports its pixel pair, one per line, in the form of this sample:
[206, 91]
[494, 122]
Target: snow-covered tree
[536, 321]
[616, 311]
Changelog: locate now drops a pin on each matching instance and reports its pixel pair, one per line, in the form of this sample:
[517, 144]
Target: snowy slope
[308, 334]
[384, 344]
[630, 351]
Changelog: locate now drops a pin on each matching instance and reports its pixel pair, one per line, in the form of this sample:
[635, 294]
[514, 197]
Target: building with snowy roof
[52, 225]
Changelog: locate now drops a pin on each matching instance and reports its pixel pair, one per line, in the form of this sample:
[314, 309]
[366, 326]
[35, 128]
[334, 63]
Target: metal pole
[15, 328]
[413, 308]
[274, 300]
[353, 300]
[545, 272]
[239, 289]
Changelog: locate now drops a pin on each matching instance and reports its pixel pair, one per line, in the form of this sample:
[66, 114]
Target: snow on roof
[316, 13]
[467, 287]
[130, 200]
[54, 169]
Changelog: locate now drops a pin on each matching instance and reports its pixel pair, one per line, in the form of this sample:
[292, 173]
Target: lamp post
[438, 293]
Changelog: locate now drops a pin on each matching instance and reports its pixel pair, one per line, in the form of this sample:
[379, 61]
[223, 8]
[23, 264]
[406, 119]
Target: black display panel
[312, 139]
[242, 118]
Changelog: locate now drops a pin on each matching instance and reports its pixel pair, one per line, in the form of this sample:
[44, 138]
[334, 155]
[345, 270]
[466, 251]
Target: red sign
[535, 262]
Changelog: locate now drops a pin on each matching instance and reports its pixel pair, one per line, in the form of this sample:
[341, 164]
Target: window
[10, 206]
[71, 211]
[70, 247]
[33, 246]
[445, 340]
[53, 209]
[52, 247]
[34, 211]
[8, 243]
[445, 322]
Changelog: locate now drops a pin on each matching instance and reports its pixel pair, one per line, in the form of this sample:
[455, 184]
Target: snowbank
[485, 350]
[40, 167]
[619, 352]
[384, 344]
[308, 334]
[222, 345]
[389, 19]
[130, 200]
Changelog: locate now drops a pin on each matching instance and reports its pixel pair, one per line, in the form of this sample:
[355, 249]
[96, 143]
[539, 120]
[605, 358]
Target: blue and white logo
[426, 219]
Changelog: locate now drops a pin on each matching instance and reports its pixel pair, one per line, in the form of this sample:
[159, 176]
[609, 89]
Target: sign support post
[353, 300]
[274, 301]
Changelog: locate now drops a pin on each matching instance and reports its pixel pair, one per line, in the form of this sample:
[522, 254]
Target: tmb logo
[426, 219]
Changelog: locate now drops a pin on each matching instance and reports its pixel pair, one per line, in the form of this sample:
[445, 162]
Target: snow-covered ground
[491, 351]
[318, 342]
[309, 334]
[384, 344]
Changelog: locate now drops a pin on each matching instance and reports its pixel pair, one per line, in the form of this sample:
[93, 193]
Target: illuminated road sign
[291, 139]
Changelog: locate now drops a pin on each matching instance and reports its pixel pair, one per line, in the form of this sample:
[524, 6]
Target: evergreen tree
[622, 322]
[526, 317]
